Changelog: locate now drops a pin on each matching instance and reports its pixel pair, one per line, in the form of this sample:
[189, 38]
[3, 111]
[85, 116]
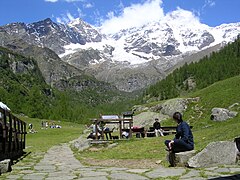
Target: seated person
[183, 140]
[125, 134]
[157, 128]
[93, 133]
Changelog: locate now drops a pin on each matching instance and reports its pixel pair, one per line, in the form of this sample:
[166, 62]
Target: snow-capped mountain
[130, 59]
[49, 34]
[169, 38]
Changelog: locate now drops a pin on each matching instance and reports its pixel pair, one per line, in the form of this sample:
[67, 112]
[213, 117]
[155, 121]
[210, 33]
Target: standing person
[157, 128]
[183, 140]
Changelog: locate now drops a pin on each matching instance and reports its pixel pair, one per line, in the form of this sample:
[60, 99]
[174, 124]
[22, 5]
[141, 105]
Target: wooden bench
[140, 131]
[166, 130]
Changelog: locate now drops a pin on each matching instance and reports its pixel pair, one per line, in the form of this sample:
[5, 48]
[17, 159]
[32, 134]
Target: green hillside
[221, 94]
[24, 90]
[194, 76]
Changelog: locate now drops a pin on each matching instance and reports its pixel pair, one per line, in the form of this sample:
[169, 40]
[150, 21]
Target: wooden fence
[12, 135]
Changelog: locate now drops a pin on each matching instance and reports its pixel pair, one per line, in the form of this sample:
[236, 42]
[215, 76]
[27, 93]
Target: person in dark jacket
[183, 140]
[157, 128]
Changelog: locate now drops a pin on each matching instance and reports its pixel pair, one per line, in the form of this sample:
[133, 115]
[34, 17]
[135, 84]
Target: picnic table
[126, 119]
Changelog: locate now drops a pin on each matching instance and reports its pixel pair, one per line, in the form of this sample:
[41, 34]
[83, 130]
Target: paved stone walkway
[59, 163]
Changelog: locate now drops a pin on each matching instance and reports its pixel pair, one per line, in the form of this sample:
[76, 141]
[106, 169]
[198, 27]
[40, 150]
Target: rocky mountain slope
[132, 58]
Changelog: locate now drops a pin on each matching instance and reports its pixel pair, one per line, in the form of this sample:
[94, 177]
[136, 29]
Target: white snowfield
[185, 33]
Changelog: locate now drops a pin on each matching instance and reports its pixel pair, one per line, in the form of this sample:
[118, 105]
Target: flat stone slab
[222, 170]
[126, 176]
[27, 171]
[138, 171]
[234, 170]
[194, 178]
[35, 176]
[93, 174]
[212, 174]
[45, 168]
[165, 172]
[69, 177]
[14, 177]
[113, 169]
[94, 178]
[191, 174]
[22, 167]
[58, 174]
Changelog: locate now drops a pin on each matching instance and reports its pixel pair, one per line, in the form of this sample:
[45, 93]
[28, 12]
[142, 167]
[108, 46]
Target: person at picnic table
[183, 140]
[157, 128]
[92, 135]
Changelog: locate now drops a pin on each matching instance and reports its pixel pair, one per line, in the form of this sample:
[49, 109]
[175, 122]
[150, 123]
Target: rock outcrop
[216, 153]
[176, 105]
[221, 114]
[180, 159]
[146, 119]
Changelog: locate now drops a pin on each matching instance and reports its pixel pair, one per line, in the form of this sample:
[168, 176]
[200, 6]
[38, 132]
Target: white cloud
[88, 5]
[80, 13]
[65, 18]
[53, 1]
[133, 16]
[208, 3]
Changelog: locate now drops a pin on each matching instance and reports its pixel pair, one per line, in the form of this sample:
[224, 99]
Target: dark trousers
[179, 146]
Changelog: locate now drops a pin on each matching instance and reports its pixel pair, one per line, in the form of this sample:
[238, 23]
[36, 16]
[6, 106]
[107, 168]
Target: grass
[221, 94]
[46, 138]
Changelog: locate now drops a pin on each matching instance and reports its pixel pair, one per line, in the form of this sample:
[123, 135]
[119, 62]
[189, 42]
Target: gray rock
[5, 166]
[216, 153]
[174, 105]
[165, 172]
[81, 143]
[139, 108]
[221, 114]
[112, 145]
[146, 119]
[182, 158]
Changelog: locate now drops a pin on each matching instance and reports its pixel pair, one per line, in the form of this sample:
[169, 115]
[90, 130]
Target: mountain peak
[76, 21]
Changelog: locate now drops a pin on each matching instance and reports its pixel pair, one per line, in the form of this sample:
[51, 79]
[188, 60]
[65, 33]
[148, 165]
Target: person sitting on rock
[183, 140]
[157, 128]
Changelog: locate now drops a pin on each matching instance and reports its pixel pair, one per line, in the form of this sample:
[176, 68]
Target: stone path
[59, 163]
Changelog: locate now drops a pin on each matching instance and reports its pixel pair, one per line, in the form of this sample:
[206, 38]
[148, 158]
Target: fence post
[4, 131]
[25, 132]
[10, 133]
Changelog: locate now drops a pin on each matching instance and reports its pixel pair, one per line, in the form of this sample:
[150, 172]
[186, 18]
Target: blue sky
[97, 12]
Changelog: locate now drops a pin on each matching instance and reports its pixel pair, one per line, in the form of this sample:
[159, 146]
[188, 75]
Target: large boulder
[146, 119]
[216, 153]
[174, 105]
[221, 114]
[81, 143]
[180, 159]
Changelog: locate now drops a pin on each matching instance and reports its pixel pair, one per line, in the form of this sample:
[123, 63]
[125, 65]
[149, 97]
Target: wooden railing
[12, 135]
